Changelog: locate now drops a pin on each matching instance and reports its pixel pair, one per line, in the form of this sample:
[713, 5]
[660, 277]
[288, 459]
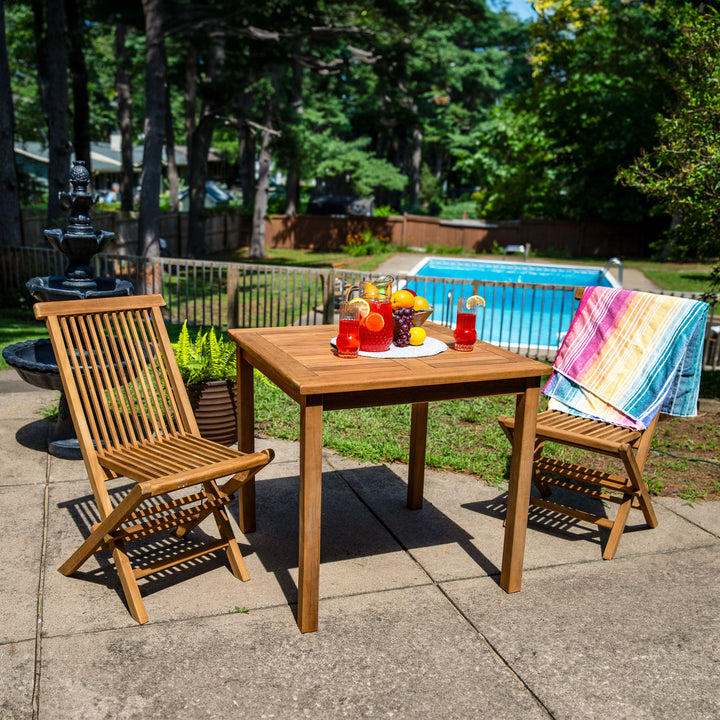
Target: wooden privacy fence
[230, 230]
[248, 295]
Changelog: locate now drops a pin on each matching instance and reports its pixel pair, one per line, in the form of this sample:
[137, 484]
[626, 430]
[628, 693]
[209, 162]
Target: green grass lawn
[675, 276]
[304, 258]
[678, 277]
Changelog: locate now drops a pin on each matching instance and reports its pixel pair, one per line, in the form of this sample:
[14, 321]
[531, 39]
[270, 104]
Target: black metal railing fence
[227, 294]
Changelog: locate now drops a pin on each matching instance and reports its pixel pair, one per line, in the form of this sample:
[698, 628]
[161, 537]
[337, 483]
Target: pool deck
[404, 262]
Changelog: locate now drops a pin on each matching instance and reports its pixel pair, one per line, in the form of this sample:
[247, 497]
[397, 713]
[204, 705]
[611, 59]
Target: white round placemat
[431, 346]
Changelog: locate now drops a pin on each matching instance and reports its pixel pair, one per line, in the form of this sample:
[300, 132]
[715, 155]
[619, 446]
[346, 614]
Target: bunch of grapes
[404, 317]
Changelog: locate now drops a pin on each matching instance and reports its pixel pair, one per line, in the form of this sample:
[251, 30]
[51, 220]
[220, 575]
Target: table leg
[416, 468]
[310, 515]
[519, 488]
[246, 438]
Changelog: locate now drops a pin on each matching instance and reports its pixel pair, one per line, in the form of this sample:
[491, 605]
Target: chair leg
[129, 583]
[234, 555]
[618, 527]
[96, 539]
[635, 475]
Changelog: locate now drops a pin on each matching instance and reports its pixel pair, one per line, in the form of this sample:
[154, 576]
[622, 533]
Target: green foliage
[599, 78]
[682, 172]
[430, 190]
[384, 211]
[359, 168]
[366, 243]
[207, 358]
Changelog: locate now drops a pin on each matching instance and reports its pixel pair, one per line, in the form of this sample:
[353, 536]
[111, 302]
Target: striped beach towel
[629, 354]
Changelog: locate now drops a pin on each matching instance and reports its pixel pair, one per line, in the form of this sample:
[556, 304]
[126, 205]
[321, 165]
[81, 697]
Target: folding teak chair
[629, 490]
[653, 342]
[133, 419]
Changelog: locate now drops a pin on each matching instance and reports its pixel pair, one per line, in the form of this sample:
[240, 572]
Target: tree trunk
[199, 151]
[55, 106]
[81, 97]
[9, 200]
[200, 147]
[257, 240]
[415, 163]
[172, 169]
[246, 162]
[124, 115]
[149, 220]
[292, 186]
[292, 192]
[191, 72]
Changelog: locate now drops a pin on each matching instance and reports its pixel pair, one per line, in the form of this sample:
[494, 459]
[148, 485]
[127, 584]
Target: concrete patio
[413, 623]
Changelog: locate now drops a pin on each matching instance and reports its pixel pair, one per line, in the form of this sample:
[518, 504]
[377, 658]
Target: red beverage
[381, 339]
[348, 339]
[465, 334]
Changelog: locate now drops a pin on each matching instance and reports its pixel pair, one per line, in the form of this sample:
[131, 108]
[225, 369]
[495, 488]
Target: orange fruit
[373, 292]
[363, 306]
[417, 336]
[420, 303]
[374, 322]
[402, 299]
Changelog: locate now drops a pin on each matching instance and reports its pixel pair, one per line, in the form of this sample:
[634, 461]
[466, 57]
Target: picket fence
[245, 295]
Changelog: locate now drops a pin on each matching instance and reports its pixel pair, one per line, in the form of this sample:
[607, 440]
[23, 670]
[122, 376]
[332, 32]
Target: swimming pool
[528, 305]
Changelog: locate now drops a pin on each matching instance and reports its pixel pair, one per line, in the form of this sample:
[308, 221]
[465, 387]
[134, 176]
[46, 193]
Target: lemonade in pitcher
[376, 317]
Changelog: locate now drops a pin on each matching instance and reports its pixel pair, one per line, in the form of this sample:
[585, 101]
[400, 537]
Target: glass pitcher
[376, 326]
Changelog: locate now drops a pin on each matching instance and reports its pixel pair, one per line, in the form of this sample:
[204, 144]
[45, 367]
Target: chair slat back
[119, 368]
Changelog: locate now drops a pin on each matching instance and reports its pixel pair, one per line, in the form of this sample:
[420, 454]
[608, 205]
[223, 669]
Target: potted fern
[209, 370]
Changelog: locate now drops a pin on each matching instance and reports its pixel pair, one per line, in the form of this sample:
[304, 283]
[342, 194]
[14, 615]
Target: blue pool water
[515, 316]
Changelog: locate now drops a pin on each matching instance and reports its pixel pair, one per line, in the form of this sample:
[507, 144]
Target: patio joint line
[452, 603]
[41, 589]
[500, 657]
[688, 520]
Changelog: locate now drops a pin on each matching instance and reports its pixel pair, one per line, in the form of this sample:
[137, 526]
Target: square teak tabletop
[300, 361]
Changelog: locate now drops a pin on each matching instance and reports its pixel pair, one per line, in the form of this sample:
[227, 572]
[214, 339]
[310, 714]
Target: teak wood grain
[301, 362]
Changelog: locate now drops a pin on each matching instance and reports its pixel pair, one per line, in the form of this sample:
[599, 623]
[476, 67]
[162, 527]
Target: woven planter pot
[215, 405]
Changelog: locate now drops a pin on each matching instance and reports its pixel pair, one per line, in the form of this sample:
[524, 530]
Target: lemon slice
[474, 301]
[363, 306]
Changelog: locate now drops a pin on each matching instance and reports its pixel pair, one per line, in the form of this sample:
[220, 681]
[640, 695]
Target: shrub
[366, 244]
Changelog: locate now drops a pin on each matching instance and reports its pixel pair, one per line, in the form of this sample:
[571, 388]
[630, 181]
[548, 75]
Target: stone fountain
[34, 360]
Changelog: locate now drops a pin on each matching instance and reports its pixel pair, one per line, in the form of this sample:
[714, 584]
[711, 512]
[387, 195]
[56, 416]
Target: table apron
[428, 393]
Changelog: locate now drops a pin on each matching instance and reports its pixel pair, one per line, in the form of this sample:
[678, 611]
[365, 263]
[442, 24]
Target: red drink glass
[465, 334]
[348, 339]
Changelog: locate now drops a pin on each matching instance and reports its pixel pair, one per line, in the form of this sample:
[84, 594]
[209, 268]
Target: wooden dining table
[302, 363]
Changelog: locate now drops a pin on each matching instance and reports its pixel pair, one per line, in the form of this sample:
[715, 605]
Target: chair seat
[171, 456]
[584, 432]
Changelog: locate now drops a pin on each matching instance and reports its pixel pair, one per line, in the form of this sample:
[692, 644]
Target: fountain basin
[34, 362]
[60, 288]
